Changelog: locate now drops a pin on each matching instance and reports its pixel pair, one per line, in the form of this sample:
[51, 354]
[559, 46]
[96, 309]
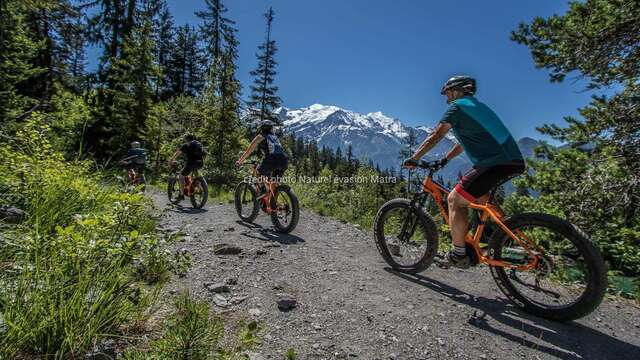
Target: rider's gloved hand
[410, 163]
[238, 163]
[442, 162]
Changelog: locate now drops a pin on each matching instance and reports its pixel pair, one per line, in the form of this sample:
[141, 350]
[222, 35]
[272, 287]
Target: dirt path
[350, 306]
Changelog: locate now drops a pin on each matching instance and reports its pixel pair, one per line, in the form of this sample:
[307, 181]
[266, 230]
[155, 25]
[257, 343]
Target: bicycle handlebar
[251, 162]
[429, 165]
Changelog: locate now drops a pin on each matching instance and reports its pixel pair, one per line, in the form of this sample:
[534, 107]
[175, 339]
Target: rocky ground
[325, 292]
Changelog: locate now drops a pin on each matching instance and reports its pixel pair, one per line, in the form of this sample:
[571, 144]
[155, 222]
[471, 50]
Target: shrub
[75, 270]
[192, 331]
[356, 203]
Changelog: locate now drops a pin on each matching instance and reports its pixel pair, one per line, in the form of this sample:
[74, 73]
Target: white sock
[459, 250]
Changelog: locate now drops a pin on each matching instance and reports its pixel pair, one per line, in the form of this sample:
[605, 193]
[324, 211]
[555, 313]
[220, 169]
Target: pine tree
[599, 190]
[229, 119]
[165, 47]
[17, 52]
[56, 24]
[126, 75]
[351, 161]
[185, 74]
[111, 27]
[140, 54]
[77, 57]
[223, 89]
[218, 33]
[263, 93]
[314, 159]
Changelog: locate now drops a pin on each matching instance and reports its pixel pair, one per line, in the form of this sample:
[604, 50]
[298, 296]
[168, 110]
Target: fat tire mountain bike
[134, 176]
[544, 264]
[277, 200]
[195, 188]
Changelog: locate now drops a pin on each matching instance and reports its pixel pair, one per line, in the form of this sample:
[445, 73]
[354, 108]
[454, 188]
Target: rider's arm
[432, 140]
[455, 151]
[252, 147]
[175, 156]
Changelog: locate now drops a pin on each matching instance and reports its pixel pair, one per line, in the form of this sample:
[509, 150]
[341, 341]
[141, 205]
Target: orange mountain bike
[195, 188]
[275, 199]
[544, 264]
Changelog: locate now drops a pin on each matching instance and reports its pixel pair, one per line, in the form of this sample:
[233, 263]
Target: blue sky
[393, 56]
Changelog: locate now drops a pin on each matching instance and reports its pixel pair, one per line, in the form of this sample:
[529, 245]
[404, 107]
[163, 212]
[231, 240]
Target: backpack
[198, 150]
[273, 144]
[138, 156]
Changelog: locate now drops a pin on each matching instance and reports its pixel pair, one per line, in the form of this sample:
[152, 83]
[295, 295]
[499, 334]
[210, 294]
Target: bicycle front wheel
[246, 201]
[570, 279]
[406, 236]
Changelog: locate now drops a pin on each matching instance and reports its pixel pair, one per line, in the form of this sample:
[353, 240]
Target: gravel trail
[350, 305]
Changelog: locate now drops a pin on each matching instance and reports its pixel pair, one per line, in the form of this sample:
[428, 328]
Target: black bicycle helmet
[189, 137]
[466, 83]
[267, 125]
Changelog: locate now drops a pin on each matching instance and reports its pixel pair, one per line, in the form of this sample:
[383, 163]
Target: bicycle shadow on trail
[185, 210]
[261, 233]
[571, 340]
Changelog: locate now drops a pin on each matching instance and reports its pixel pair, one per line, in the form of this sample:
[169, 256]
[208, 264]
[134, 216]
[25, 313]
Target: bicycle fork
[410, 220]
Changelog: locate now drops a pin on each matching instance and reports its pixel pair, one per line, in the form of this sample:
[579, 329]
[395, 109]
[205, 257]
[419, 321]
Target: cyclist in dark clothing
[490, 147]
[136, 157]
[135, 162]
[194, 153]
[275, 161]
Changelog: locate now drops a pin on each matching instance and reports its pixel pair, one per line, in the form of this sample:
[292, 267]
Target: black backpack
[198, 149]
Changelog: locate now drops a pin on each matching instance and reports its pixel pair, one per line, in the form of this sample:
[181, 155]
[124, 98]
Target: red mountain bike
[135, 176]
[544, 264]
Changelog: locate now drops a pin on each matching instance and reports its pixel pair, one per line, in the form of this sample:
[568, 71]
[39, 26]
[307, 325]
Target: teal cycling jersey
[481, 133]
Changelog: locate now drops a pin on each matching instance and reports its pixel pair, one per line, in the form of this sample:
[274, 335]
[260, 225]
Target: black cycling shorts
[273, 165]
[191, 167]
[131, 165]
[480, 180]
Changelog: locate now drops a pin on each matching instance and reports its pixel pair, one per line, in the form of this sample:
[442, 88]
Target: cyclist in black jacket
[194, 153]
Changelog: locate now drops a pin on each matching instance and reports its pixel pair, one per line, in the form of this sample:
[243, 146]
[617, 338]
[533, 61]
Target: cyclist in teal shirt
[488, 144]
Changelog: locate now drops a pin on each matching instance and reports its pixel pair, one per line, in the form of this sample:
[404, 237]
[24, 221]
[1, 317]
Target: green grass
[86, 260]
[192, 331]
[626, 286]
[87, 264]
[221, 194]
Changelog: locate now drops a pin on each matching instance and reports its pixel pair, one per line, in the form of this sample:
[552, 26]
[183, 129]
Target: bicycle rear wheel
[246, 201]
[405, 235]
[200, 192]
[570, 280]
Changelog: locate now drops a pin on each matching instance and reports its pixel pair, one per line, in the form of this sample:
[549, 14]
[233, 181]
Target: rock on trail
[348, 305]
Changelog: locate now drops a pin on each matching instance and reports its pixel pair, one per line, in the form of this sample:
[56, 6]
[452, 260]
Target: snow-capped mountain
[374, 136]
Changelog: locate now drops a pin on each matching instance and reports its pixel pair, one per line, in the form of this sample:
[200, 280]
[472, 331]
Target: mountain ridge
[373, 136]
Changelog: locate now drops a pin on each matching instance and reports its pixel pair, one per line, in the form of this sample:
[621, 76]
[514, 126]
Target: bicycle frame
[134, 178]
[487, 211]
[188, 189]
[270, 186]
